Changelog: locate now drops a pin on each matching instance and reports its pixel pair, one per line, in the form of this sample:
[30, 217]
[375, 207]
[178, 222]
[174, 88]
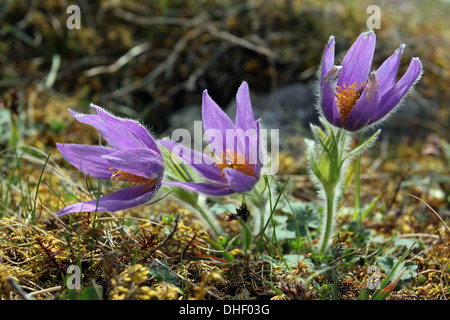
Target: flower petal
[358, 60]
[328, 98]
[366, 106]
[393, 98]
[255, 159]
[129, 128]
[387, 72]
[327, 59]
[208, 188]
[239, 181]
[119, 200]
[141, 162]
[119, 133]
[196, 160]
[244, 143]
[214, 118]
[244, 112]
[87, 158]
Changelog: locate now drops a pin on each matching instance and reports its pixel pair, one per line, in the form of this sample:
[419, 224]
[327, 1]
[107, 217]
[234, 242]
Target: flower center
[346, 98]
[119, 175]
[236, 161]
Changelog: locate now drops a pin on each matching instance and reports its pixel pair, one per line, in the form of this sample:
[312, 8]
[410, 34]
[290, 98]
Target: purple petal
[141, 162]
[130, 128]
[366, 106]
[255, 159]
[328, 59]
[239, 181]
[119, 200]
[328, 99]
[88, 159]
[196, 160]
[117, 139]
[119, 133]
[387, 72]
[358, 60]
[391, 100]
[244, 143]
[208, 188]
[244, 112]
[214, 118]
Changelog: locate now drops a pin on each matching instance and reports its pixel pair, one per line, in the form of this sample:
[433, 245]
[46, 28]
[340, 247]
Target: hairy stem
[329, 221]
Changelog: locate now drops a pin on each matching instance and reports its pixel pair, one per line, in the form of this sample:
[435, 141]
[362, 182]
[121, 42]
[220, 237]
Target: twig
[48, 290]
[414, 235]
[177, 218]
[18, 289]
[350, 253]
[266, 282]
[241, 42]
[123, 60]
[437, 215]
[190, 82]
[53, 73]
[179, 46]
[165, 66]
[148, 21]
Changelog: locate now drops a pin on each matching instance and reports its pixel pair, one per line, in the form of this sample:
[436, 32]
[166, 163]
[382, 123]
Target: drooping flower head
[133, 156]
[351, 96]
[234, 165]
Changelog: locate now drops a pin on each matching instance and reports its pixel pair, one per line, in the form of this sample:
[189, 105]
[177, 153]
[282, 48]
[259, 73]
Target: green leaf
[370, 206]
[403, 242]
[360, 148]
[293, 259]
[364, 294]
[228, 256]
[393, 266]
[222, 207]
[282, 229]
[162, 274]
[304, 216]
[57, 126]
[388, 263]
[89, 293]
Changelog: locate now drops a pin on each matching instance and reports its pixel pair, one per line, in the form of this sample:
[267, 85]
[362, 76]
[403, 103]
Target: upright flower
[133, 157]
[235, 166]
[352, 97]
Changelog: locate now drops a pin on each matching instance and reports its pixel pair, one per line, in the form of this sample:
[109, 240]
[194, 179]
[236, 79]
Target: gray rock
[288, 108]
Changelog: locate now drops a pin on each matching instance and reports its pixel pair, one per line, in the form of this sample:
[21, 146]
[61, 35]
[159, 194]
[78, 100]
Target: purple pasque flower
[352, 97]
[133, 156]
[234, 165]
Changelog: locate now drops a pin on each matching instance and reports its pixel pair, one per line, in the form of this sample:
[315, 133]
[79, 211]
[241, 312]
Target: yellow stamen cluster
[119, 175]
[236, 161]
[346, 98]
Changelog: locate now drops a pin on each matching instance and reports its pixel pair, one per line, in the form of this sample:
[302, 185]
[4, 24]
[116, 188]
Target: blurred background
[151, 60]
